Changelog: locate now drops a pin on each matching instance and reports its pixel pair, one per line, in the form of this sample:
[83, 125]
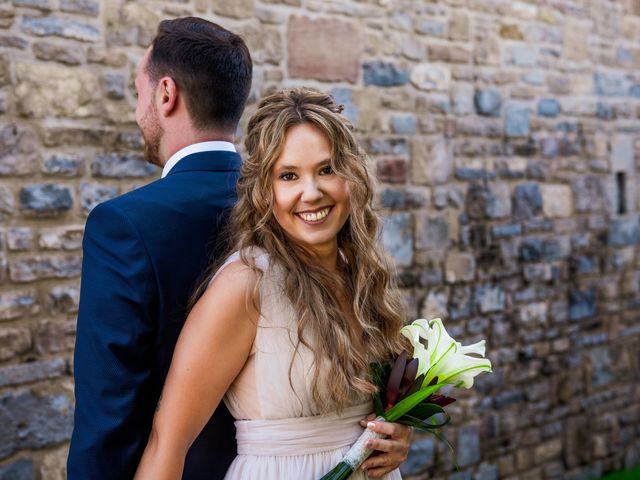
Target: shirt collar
[196, 148]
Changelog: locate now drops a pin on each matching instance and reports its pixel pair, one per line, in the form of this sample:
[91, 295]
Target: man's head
[200, 64]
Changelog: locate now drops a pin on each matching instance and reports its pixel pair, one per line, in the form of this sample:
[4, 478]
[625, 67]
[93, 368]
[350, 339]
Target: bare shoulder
[234, 284]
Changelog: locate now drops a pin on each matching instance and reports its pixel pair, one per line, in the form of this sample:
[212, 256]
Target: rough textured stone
[19, 150]
[404, 124]
[70, 165]
[468, 445]
[7, 202]
[55, 336]
[431, 77]
[44, 5]
[488, 201]
[548, 107]
[623, 232]
[122, 166]
[63, 299]
[582, 304]
[516, 120]
[56, 53]
[488, 102]
[392, 170]
[45, 199]
[489, 298]
[322, 49]
[32, 421]
[85, 7]
[397, 238]
[432, 162]
[460, 267]
[131, 23]
[32, 372]
[61, 238]
[21, 469]
[52, 26]
[20, 238]
[432, 232]
[17, 303]
[384, 74]
[41, 267]
[91, 194]
[527, 201]
[557, 200]
[48, 90]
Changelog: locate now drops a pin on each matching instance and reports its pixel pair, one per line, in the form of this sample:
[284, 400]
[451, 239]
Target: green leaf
[341, 471]
[406, 404]
[423, 411]
[414, 422]
[377, 404]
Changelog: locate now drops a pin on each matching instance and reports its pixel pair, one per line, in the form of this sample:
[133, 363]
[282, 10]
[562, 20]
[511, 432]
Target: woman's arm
[214, 345]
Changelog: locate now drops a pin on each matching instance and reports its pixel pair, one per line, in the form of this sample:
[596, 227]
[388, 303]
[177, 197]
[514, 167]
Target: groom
[144, 252]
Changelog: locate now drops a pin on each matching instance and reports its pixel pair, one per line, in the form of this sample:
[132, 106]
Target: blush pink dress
[280, 433]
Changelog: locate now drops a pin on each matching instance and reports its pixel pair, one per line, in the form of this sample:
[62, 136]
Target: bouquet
[408, 389]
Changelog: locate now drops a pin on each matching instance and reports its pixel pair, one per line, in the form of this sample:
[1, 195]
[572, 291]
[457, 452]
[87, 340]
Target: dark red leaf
[441, 400]
[395, 377]
[409, 376]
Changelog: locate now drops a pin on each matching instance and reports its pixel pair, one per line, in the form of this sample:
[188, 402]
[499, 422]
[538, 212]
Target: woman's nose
[311, 192]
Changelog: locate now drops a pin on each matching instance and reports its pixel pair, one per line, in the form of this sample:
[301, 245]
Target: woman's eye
[326, 170]
[287, 176]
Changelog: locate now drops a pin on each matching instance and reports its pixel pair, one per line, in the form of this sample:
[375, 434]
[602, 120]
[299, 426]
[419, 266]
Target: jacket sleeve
[113, 356]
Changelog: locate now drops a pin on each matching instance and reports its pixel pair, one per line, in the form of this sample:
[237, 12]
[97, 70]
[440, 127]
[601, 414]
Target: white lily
[443, 357]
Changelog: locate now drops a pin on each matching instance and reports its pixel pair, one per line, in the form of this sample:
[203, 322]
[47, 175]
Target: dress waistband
[302, 435]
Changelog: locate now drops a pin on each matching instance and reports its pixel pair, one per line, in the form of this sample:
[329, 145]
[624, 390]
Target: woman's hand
[393, 450]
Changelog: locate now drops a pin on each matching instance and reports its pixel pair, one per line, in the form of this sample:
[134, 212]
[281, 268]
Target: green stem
[340, 472]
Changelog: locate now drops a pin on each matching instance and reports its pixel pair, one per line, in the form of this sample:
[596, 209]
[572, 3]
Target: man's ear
[167, 96]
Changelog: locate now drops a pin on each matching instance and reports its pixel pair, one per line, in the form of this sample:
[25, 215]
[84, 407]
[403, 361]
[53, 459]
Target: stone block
[432, 232]
[344, 97]
[13, 342]
[582, 304]
[131, 23]
[430, 27]
[20, 238]
[622, 153]
[404, 124]
[64, 165]
[589, 193]
[537, 272]
[21, 469]
[381, 146]
[527, 201]
[576, 41]
[548, 107]
[45, 200]
[392, 170]
[59, 27]
[435, 303]
[532, 314]
[235, 9]
[45, 90]
[557, 200]
[18, 303]
[550, 147]
[468, 451]
[521, 56]
[448, 54]
[584, 265]
[463, 99]
[459, 26]
[623, 232]
[488, 102]
[19, 150]
[127, 165]
[488, 201]
[489, 298]
[41, 267]
[431, 77]
[61, 238]
[421, 456]
[432, 161]
[604, 111]
[56, 53]
[31, 421]
[610, 84]
[55, 336]
[506, 230]
[516, 120]
[32, 372]
[322, 49]
[397, 238]
[54, 464]
[264, 43]
[44, 5]
[384, 74]
[91, 194]
[511, 32]
[63, 299]
[461, 303]
[84, 7]
[460, 267]
[114, 85]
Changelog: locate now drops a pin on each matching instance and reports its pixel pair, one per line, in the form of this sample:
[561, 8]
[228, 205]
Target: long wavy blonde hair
[364, 276]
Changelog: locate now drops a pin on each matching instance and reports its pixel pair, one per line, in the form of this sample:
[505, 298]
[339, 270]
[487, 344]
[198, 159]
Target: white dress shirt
[196, 148]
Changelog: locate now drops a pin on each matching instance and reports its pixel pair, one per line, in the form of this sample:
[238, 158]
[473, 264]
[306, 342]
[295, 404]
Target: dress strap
[302, 435]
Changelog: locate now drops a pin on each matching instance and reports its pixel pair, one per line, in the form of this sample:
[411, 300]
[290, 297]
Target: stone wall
[505, 135]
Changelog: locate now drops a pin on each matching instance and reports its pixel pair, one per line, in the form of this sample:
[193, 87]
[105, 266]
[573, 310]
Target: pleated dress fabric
[280, 432]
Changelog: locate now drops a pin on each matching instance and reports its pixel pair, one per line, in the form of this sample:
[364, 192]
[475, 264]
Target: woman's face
[311, 202]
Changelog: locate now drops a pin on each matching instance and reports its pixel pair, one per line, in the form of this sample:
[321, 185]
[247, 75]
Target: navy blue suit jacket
[143, 253]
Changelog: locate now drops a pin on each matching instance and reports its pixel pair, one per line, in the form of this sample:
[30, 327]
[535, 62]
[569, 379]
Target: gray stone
[344, 97]
[536, 78]
[384, 74]
[64, 165]
[521, 56]
[132, 140]
[550, 147]
[55, 336]
[582, 304]
[461, 302]
[63, 299]
[584, 264]
[623, 232]
[490, 201]
[506, 230]
[622, 153]
[463, 99]
[91, 194]
[489, 298]
[30, 421]
[62, 238]
[56, 53]
[516, 120]
[468, 451]
[390, 146]
[39, 4]
[610, 84]
[397, 239]
[488, 102]
[527, 201]
[114, 85]
[85, 7]
[435, 303]
[430, 27]
[431, 232]
[13, 342]
[46, 199]
[421, 455]
[32, 372]
[589, 193]
[404, 124]
[16, 304]
[52, 26]
[128, 165]
[41, 267]
[548, 107]
[604, 111]
[20, 238]
[19, 150]
[21, 469]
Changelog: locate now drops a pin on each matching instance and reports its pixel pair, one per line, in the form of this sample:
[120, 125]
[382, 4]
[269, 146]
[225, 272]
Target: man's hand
[393, 450]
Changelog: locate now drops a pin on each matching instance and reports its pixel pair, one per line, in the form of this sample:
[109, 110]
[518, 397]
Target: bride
[286, 328]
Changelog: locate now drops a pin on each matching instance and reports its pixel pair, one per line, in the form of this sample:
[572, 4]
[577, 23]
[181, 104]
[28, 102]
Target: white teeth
[315, 216]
